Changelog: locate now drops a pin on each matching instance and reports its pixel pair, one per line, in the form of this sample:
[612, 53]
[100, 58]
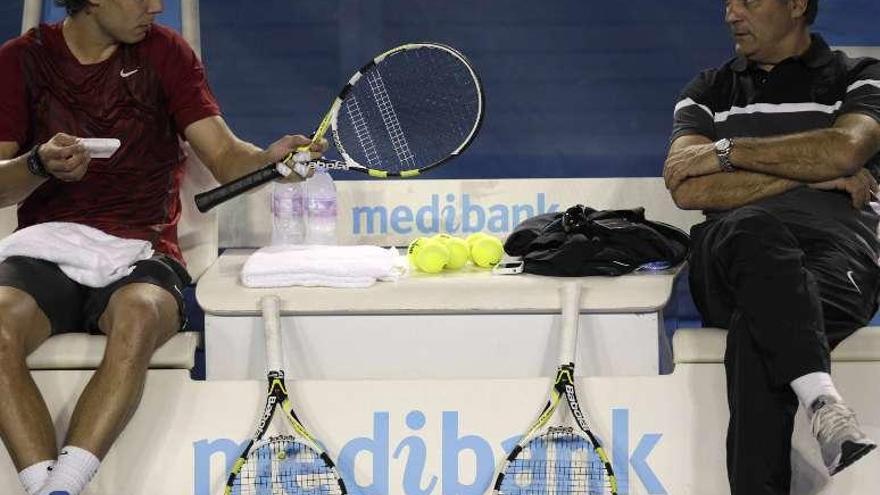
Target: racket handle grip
[209, 199]
[570, 296]
[270, 307]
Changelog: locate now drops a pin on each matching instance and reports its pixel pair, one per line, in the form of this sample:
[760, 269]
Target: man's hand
[690, 161]
[861, 187]
[278, 150]
[65, 157]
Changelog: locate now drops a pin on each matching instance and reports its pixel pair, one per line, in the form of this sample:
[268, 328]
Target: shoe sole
[850, 453]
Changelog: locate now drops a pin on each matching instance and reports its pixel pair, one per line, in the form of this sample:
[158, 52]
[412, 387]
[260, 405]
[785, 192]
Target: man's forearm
[16, 182]
[813, 156]
[723, 191]
[238, 159]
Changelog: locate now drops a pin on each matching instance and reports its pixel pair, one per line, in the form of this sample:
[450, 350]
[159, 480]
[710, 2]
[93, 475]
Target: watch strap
[724, 158]
[35, 163]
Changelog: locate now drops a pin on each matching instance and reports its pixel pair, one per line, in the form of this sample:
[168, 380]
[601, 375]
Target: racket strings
[411, 110]
[399, 144]
[362, 131]
[461, 98]
[454, 96]
[284, 466]
[557, 462]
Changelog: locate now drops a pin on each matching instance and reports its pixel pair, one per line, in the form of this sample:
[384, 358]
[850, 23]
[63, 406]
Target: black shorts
[73, 307]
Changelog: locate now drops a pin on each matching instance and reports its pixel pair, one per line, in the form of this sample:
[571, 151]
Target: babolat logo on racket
[572, 399]
[267, 414]
[575, 407]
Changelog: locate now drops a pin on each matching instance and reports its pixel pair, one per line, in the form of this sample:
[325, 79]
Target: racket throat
[271, 404]
[565, 387]
[574, 406]
[564, 378]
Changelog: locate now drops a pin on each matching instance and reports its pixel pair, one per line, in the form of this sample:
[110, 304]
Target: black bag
[583, 241]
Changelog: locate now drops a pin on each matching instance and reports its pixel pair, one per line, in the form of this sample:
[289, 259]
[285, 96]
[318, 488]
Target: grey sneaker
[840, 438]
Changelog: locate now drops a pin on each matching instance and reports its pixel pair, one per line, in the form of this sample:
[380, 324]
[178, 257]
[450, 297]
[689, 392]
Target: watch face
[722, 145]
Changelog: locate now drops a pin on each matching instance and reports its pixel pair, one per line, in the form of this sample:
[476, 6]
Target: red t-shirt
[145, 94]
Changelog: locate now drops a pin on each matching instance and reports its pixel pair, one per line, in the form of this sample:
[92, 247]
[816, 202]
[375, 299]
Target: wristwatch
[723, 148]
[35, 164]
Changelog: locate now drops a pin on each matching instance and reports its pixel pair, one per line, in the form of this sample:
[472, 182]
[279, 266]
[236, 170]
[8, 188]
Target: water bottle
[288, 213]
[321, 202]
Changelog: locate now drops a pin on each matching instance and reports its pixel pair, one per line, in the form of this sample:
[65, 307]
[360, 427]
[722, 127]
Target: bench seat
[707, 345]
[80, 351]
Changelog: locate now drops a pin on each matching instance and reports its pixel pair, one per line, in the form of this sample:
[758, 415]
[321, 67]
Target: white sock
[34, 476]
[72, 472]
[811, 386]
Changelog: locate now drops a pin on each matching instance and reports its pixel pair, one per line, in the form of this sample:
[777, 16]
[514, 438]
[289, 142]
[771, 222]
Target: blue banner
[10, 20]
[573, 88]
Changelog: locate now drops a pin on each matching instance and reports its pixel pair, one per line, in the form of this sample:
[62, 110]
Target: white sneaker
[840, 437]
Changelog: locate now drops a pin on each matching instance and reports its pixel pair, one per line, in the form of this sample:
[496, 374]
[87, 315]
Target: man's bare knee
[139, 318]
[23, 325]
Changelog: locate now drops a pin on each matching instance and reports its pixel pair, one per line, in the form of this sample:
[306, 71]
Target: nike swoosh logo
[849, 275]
[124, 74]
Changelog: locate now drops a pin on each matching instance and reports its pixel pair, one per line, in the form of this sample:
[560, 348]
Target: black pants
[787, 293]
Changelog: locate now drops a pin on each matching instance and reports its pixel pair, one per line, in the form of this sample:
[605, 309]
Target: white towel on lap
[325, 266]
[85, 254]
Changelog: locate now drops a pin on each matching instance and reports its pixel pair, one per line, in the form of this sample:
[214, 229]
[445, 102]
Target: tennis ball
[473, 238]
[414, 248]
[441, 238]
[487, 251]
[458, 253]
[432, 257]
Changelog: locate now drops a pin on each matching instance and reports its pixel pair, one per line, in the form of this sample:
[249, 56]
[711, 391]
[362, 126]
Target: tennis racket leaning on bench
[292, 464]
[407, 111]
[563, 457]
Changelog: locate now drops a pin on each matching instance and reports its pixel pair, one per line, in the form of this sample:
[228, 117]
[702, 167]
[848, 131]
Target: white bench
[699, 375]
[707, 345]
[79, 351]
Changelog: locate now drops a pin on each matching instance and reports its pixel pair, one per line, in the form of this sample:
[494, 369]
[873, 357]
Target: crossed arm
[832, 158]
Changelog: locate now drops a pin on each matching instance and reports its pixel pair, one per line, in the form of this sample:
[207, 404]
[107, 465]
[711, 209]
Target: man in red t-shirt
[106, 71]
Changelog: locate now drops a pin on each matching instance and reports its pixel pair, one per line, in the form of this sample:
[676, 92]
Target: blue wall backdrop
[170, 16]
[574, 88]
[10, 20]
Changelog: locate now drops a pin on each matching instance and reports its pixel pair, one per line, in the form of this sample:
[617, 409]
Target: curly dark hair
[72, 6]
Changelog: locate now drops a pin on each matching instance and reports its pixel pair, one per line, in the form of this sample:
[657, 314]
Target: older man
[779, 147]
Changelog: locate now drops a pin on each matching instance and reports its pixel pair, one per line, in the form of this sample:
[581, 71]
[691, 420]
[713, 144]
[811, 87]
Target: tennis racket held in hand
[409, 110]
[562, 457]
[292, 464]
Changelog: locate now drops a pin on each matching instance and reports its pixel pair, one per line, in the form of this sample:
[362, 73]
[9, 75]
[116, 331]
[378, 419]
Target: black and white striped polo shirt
[800, 94]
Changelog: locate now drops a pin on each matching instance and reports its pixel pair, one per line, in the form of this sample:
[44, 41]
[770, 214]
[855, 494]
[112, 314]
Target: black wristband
[35, 164]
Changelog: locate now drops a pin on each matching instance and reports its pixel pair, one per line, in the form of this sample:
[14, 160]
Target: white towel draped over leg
[85, 254]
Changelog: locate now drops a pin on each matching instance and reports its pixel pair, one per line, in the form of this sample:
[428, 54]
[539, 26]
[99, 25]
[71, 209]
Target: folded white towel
[85, 254]
[326, 266]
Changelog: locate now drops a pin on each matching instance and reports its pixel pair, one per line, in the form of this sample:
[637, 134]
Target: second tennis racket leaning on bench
[563, 457]
[410, 109]
[292, 464]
